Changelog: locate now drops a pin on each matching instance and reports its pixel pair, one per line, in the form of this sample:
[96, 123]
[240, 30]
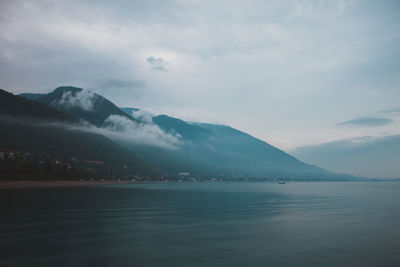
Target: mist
[83, 99]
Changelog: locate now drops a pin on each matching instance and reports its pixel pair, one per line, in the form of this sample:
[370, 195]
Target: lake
[203, 224]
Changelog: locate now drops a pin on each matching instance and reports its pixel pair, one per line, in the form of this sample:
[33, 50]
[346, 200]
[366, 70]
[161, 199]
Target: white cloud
[143, 116]
[123, 129]
[157, 64]
[83, 99]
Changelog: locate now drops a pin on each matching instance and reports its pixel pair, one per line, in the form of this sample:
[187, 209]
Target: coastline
[53, 184]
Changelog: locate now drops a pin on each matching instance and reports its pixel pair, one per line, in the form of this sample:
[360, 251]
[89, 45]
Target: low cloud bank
[117, 127]
[122, 129]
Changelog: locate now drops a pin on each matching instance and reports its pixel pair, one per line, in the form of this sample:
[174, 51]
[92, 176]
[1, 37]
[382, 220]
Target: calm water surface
[202, 224]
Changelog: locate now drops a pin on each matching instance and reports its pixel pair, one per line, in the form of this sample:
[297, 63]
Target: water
[200, 224]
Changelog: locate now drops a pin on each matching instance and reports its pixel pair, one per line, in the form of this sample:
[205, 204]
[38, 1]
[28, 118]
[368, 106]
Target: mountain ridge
[82, 104]
[202, 149]
[249, 156]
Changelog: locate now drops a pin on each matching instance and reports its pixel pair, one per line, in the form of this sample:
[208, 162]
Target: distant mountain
[82, 104]
[36, 128]
[188, 132]
[31, 96]
[242, 151]
[222, 150]
[366, 156]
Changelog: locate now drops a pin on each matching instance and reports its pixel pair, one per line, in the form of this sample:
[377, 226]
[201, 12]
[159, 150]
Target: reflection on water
[198, 224]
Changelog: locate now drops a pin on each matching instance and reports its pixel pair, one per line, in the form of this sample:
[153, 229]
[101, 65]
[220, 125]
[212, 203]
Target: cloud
[142, 115]
[83, 99]
[122, 129]
[367, 122]
[155, 61]
[118, 128]
[157, 64]
[390, 112]
[159, 68]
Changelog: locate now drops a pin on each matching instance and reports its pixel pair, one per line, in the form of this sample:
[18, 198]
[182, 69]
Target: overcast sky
[292, 73]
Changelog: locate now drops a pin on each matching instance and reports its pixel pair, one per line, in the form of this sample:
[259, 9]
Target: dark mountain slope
[36, 128]
[31, 96]
[19, 106]
[58, 141]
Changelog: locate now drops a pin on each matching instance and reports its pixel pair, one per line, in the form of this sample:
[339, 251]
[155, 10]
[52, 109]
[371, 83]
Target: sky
[292, 73]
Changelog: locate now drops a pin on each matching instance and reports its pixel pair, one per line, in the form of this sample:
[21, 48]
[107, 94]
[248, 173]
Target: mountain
[36, 128]
[201, 149]
[188, 132]
[366, 156]
[129, 111]
[31, 96]
[19, 106]
[82, 104]
[242, 151]
[226, 152]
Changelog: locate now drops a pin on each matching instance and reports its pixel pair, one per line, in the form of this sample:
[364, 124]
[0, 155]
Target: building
[7, 152]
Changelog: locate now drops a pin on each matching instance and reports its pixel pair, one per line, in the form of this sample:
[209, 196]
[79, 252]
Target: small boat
[281, 182]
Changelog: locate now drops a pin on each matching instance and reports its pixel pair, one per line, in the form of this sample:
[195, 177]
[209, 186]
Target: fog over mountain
[101, 116]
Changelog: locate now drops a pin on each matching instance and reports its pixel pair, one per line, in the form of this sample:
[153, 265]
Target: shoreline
[4, 185]
[54, 184]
